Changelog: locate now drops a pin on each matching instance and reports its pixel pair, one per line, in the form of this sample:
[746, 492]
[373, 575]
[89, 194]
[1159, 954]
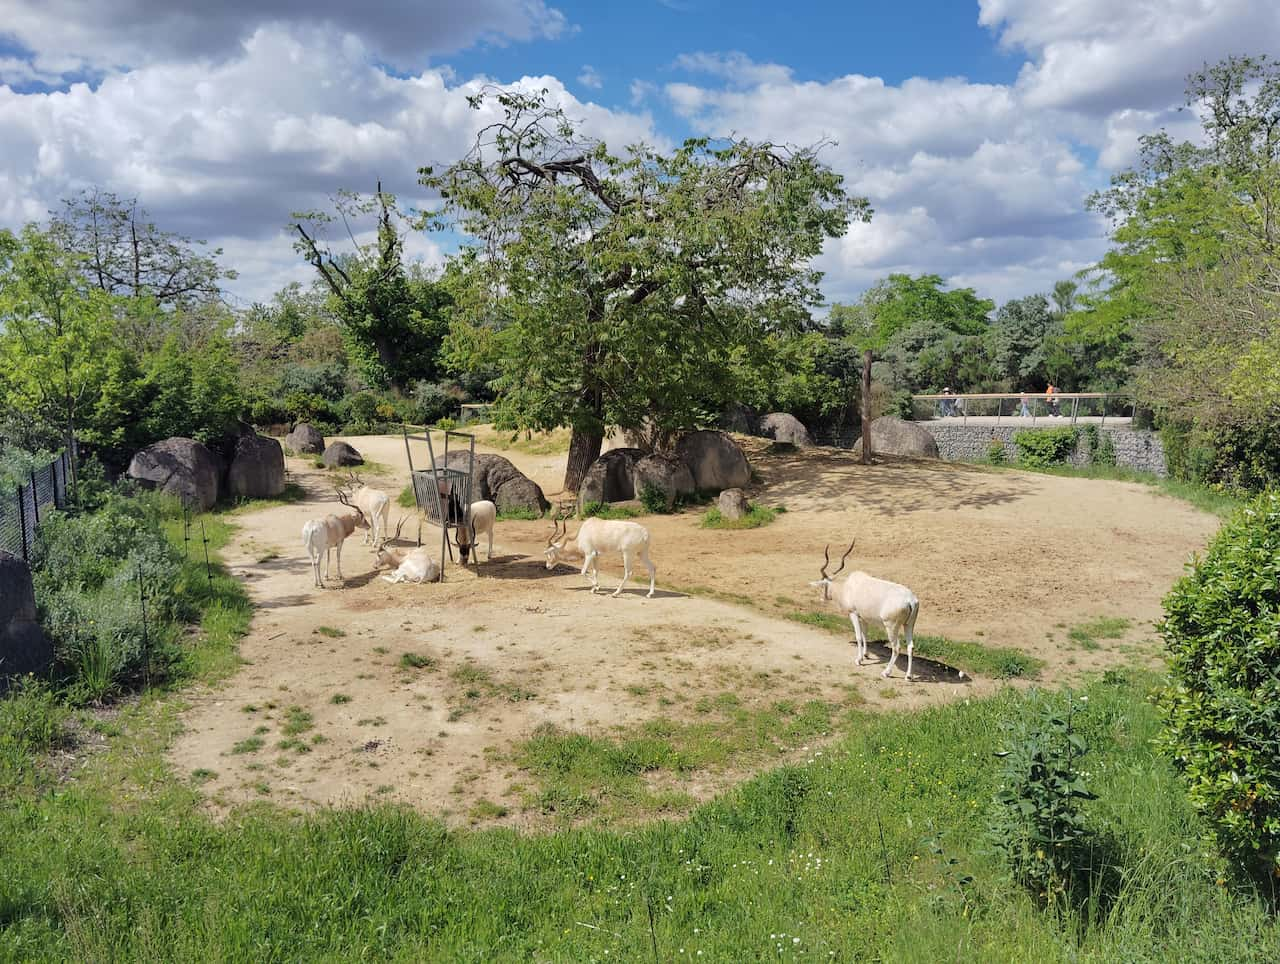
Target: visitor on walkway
[948, 404]
[1051, 396]
[1024, 410]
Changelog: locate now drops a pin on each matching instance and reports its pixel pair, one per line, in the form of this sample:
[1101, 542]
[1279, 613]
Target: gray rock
[610, 478]
[257, 468]
[739, 418]
[305, 440]
[497, 480]
[714, 460]
[893, 436]
[664, 472]
[782, 427]
[733, 504]
[180, 467]
[340, 453]
[24, 648]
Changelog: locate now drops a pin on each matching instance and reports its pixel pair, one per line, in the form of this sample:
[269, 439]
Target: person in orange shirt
[1050, 394]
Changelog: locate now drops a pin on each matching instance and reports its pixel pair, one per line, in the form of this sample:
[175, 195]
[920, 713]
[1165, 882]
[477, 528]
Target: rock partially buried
[257, 468]
[180, 467]
[305, 440]
[714, 460]
[24, 648]
[893, 436]
[663, 472]
[339, 454]
[733, 504]
[497, 480]
[782, 427]
[610, 478]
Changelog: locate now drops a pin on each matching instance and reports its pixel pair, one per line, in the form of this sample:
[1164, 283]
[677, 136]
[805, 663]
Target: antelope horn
[826, 560]
[843, 558]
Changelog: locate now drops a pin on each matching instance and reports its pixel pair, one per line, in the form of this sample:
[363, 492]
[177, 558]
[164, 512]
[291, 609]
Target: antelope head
[824, 583]
[556, 541]
[465, 539]
[361, 522]
[384, 555]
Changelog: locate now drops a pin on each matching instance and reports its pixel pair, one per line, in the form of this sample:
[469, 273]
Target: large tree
[623, 289]
[900, 301]
[393, 314]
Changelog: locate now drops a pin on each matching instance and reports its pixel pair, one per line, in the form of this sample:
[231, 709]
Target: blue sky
[976, 129]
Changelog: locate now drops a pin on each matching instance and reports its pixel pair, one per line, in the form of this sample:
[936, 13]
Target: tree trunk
[866, 407]
[584, 448]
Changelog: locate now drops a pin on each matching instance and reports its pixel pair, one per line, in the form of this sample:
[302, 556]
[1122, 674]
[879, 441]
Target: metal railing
[1019, 407]
[23, 509]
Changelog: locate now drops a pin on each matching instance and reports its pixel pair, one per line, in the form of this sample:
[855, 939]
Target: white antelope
[601, 535]
[411, 565]
[376, 506]
[480, 520]
[322, 536]
[866, 597]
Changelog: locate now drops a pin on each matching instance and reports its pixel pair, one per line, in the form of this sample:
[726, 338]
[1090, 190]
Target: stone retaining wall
[1135, 448]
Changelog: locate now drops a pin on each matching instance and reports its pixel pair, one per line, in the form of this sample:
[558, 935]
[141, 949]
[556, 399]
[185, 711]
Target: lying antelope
[375, 504]
[411, 565]
[480, 520]
[866, 597]
[601, 535]
[322, 536]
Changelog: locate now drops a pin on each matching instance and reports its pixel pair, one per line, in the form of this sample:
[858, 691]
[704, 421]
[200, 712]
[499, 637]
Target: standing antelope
[411, 565]
[866, 597]
[321, 536]
[375, 504]
[601, 535]
[480, 520]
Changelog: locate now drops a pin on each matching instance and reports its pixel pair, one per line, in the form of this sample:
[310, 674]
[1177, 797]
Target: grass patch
[292, 493]
[1086, 635]
[417, 661]
[755, 517]
[338, 699]
[611, 510]
[331, 632]
[250, 744]
[296, 720]
[406, 499]
[484, 809]
[519, 513]
[976, 659]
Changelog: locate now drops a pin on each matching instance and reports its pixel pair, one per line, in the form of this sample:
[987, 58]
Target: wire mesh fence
[23, 508]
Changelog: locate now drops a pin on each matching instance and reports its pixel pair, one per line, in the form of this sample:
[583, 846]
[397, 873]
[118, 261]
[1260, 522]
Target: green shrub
[995, 451]
[1222, 709]
[1099, 445]
[446, 424]
[433, 401]
[606, 510]
[32, 722]
[1036, 825]
[1038, 448]
[654, 499]
[755, 517]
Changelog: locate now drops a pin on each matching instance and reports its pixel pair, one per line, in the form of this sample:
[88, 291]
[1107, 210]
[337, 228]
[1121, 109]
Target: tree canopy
[625, 289]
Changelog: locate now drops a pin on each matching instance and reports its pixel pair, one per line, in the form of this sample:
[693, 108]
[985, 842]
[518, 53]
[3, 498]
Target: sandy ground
[996, 557]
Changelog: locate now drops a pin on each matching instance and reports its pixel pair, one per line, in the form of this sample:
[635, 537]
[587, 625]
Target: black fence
[22, 510]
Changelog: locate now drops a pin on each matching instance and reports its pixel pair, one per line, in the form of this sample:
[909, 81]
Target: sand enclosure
[1001, 558]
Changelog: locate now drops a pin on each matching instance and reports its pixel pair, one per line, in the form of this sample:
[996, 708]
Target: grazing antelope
[322, 536]
[411, 565]
[866, 597]
[480, 520]
[601, 535]
[376, 506]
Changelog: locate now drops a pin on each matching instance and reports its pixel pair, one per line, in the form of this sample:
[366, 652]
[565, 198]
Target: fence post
[35, 501]
[146, 644]
[22, 525]
[866, 407]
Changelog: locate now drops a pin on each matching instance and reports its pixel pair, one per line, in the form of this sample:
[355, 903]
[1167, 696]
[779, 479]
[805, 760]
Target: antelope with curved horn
[596, 536]
[411, 565]
[865, 597]
[322, 536]
[375, 504]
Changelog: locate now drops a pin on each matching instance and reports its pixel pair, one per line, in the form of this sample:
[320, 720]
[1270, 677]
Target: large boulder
[611, 478]
[739, 418]
[733, 504]
[24, 648]
[305, 440]
[663, 472]
[257, 468]
[180, 467]
[893, 436]
[714, 460]
[497, 480]
[337, 454]
[782, 427]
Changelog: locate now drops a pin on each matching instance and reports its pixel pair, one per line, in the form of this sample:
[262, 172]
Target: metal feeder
[442, 492]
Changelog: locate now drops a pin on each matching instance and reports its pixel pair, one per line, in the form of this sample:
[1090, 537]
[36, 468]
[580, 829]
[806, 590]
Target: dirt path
[1004, 558]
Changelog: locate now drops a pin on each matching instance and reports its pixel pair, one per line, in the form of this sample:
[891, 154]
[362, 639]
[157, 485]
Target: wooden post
[866, 407]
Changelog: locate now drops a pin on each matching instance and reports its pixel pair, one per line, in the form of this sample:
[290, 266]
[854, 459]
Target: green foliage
[1037, 826]
[755, 517]
[1099, 445]
[193, 394]
[32, 722]
[1222, 709]
[608, 510]
[623, 288]
[433, 401]
[1038, 448]
[995, 451]
[654, 499]
[900, 301]
[446, 424]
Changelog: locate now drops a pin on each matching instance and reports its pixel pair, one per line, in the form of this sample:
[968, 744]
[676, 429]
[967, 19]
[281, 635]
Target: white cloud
[1099, 56]
[590, 77]
[227, 152]
[72, 36]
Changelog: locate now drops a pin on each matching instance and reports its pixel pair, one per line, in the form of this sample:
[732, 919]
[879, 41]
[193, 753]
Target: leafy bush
[446, 424]
[1036, 824]
[755, 517]
[1044, 447]
[995, 451]
[301, 407]
[654, 499]
[1101, 448]
[325, 380]
[1222, 709]
[86, 574]
[32, 721]
[433, 401]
